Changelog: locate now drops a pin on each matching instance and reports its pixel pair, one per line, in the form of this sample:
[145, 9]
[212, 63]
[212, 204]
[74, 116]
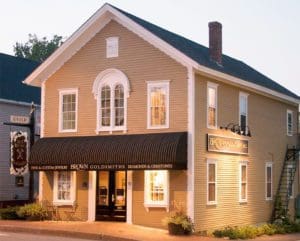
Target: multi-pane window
[105, 106]
[119, 105]
[63, 187]
[243, 112]
[289, 120]
[243, 182]
[211, 105]
[112, 47]
[269, 180]
[290, 181]
[68, 110]
[156, 188]
[112, 107]
[158, 104]
[211, 182]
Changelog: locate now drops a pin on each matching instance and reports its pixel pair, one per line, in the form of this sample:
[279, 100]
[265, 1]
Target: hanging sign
[19, 153]
[227, 145]
[19, 119]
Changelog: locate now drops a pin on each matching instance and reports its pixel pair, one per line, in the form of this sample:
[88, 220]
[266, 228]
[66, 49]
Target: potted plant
[179, 224]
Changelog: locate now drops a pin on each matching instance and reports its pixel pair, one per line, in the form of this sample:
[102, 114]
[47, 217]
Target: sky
[265, 34]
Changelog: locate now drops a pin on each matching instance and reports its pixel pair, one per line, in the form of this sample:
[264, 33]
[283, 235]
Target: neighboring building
[134, 122]
[15, 99]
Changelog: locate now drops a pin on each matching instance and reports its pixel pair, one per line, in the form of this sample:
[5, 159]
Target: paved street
[33, 237]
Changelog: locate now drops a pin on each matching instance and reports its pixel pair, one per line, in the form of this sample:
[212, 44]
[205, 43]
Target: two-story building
[137, 122]
[15, 100]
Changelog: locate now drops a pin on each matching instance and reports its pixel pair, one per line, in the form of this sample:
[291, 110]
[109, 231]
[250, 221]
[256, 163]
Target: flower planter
[177, 229]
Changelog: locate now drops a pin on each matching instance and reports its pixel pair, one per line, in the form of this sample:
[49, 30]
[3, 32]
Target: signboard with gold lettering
[19, 153]
[227, 145]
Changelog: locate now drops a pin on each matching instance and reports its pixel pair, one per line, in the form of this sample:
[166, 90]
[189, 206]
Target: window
[212, 105]
[289, 120]
[64, 188]
[158, 105]
[290, 175]
[269, 180]
[111, 89]
[243, 182]
[112, 47]
[243, 116]
[211, 182]
[156, 189]
[68, 102]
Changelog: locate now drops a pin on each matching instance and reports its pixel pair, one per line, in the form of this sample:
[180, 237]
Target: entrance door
[111, 196]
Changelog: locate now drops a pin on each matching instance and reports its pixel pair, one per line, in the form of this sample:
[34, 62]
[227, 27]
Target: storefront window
[212, 105]
[269, 179]
[158, 105]
[68, 110]
[156, 188]
[243, 182]
[63, 187]
[211, 182]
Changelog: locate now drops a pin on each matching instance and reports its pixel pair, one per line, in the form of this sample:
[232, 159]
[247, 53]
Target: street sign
[19, 119]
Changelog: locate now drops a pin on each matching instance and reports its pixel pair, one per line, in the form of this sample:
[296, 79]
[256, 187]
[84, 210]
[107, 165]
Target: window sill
[152, 205]
[157, 127]
[212, 127]
[67, 131]
[63, 203]
[211, 203]
[110, 130]
[243, 201]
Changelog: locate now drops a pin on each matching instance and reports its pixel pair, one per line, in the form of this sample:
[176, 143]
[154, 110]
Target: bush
[9, 213]
[180, 219]
[250, 232]
[33, 211]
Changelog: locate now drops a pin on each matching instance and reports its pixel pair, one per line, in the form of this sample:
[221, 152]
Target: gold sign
[227, 145]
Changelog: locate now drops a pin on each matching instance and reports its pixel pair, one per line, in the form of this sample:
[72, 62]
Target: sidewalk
[114, 231]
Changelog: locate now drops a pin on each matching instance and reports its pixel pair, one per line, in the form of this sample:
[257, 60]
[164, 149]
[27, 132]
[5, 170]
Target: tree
[37, 49]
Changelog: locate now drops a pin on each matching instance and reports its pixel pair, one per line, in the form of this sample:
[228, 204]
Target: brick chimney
[215, 42]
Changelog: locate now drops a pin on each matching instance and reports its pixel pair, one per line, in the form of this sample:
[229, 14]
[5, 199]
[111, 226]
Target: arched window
[111, 90]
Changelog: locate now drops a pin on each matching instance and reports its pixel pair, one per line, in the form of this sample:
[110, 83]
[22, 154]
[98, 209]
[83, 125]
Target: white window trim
[115, 42]
[111, 78]
[287, 123]
[163, 204]
[164, 84]
[211, 161]
[293, 185]
[63, 92]
[57, 202]
[243, 94]
[215, 87]
[243, 163]
[268, 164]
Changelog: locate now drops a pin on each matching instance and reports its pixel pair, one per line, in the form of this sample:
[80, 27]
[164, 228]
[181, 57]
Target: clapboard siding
[267, 120]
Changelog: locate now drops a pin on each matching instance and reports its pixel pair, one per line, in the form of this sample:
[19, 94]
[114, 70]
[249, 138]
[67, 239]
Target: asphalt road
[33, 237]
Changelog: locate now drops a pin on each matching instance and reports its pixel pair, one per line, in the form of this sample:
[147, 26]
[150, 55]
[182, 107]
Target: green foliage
[37, 49]
[182, 219]
[33, 211]
[9, 213]
[250, 232]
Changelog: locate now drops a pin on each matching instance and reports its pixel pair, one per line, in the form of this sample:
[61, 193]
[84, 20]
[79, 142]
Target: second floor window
[289, 120]
[212, 105]
[68, 100]
[111, 90]
[158, 105]
[243, 116]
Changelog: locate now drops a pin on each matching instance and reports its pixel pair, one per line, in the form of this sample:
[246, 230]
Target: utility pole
[31, 126]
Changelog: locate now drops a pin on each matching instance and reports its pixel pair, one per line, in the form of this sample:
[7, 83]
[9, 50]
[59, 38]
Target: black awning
[116, 152]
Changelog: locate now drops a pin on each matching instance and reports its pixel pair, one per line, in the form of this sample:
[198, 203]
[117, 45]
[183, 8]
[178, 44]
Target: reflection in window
[64, 186]
[212, 107]
[68, 110]
[211, 182]
[119, 105]
[243, 182]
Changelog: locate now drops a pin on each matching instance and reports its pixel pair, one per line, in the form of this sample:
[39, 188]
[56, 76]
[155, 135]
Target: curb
[63, 233]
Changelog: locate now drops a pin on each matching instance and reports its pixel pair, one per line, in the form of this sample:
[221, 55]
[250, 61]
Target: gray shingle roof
[13, 70]
[200, 54]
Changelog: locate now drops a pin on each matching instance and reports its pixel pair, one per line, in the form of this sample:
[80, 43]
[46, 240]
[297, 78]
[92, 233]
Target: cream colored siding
[267, 121]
